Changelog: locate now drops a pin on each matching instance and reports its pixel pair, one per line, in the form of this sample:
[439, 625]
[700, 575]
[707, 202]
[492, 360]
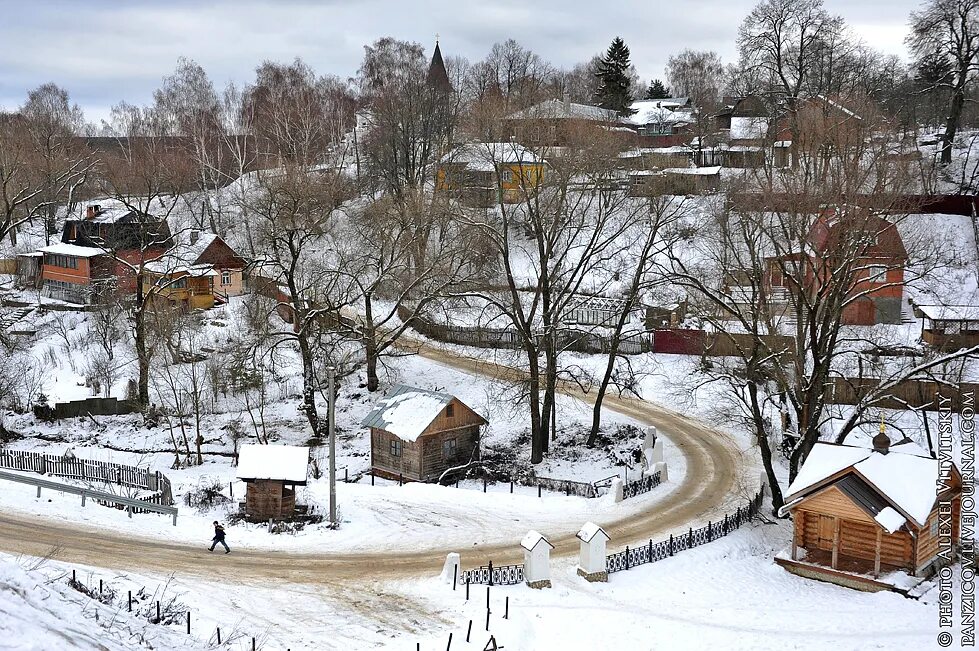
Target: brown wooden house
[271, 473]
[949, 327]
[417, 434]
[859, 514]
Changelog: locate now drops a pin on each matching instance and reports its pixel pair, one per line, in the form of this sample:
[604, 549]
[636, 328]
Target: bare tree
[946, 32]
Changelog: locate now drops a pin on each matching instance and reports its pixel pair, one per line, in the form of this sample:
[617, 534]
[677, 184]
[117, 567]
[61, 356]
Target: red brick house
[97, 252]
[879, 259]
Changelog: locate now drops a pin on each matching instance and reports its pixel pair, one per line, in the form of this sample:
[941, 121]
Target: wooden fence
[94, 406]
[94, 471]
[910, 394]
[479, 337]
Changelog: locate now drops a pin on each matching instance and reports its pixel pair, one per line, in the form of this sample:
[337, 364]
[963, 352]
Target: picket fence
[73, 467]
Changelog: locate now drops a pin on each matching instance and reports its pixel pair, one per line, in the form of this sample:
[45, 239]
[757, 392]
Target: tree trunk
[765, 448]
[952, 121]
[538, 436]
[370, 350]
[142, 354]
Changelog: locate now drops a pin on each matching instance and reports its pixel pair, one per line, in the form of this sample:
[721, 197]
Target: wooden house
[271, 473]
[949, 327]
[859, 514]
[869, 244]
[417, 434]
[557, 123]
[199, 272]
[678, 181]
[75, 274]
[482, 174]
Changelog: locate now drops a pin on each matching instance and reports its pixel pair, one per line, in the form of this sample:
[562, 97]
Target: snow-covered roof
[556, 108]
[748, 128]
[108, 214]
[407, 411]
[532, 539]
[172, 266]
[656, 111]
[589, 530]
[950, 312]
[486, 156]
[694, 171]
[906, 480]
[890, 519]
[280, 462]
[73, 250]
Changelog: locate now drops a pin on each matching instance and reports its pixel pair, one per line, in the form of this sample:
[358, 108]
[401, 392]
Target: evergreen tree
[614, 90]
[657, 90]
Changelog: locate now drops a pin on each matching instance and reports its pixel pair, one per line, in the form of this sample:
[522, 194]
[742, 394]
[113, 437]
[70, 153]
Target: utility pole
[331, 374]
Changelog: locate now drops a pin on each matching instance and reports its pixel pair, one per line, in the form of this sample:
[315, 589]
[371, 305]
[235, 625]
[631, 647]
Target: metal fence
[490, 575]
[640, 486]
[90, 470]
[132, 505]
[653, 552]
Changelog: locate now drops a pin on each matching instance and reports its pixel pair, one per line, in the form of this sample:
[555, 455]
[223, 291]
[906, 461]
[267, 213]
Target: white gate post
[536, 560]
[660, 467]
[591, 553]
[616, 488]
[451, 568]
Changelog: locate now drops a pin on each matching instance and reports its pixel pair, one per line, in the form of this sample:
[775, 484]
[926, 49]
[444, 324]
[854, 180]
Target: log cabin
[271, 474]
[417, 434]
[859, 514]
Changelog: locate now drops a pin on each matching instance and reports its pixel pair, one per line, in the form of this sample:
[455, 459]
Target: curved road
[714, 466]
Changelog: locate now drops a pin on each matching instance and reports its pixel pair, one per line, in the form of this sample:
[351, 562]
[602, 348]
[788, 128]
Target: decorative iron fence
[640, 486]
[91, 470]
[653, 552]
[489, 575]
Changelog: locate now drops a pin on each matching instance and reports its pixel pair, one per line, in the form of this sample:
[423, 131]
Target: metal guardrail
[129, 502]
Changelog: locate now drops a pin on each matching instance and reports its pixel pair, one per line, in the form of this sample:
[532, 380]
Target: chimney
[882, 444]
[90, 212]
[195, 235]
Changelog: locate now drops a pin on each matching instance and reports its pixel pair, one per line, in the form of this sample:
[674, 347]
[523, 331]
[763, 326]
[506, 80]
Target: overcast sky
[104, 51]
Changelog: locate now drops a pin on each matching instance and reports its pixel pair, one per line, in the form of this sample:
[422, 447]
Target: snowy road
[716, 478]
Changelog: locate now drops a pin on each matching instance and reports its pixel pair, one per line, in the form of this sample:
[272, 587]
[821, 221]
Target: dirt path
[714, 467]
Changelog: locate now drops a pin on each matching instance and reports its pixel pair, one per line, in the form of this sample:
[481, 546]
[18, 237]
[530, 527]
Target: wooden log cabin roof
[874, 481]
[286, 463]
[408, 411]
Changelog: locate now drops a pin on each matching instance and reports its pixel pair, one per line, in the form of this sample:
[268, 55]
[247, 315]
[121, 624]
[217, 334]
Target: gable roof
[656, 111]
[556, 109]
[279, 462]
[407, 411]
[485, 156]
[532, 539]
[905, 481]
[589, 530]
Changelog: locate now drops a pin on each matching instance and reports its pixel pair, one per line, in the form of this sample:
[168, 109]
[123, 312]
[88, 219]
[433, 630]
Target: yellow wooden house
[485, 173]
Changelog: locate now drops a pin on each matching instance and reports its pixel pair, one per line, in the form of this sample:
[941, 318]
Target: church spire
[438, 78]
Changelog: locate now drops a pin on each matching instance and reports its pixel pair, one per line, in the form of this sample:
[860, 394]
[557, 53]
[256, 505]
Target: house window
[64, 261]
[506, 176]
[225, 276]
[536, 134]
[450, 411]
[552, 133]
[877, 273]
[395, 448]
[448, 448]
[933, 529]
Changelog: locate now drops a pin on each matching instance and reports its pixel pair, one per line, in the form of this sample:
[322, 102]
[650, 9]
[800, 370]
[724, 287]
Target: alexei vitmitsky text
[947, 524]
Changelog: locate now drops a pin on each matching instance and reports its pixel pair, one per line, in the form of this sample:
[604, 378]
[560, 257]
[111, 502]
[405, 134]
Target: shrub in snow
[207, 495]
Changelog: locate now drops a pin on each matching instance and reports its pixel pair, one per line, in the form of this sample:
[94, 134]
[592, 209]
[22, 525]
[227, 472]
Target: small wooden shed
[859, 513]
[271, 473]
[417, 434]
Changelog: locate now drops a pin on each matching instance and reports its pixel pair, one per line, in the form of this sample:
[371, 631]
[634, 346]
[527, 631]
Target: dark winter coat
[218, 532]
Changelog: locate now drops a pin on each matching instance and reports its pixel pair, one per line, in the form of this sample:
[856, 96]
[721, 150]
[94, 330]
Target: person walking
[219, 538]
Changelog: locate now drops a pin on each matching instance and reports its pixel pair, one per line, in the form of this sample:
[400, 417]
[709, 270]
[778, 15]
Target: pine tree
[657, 90]
[614, 91]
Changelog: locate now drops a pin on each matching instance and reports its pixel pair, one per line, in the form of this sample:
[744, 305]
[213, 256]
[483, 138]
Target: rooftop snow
[73, 250]
[748, 128]
[657, 111]
[950, 312]
[588, 531]
[485, 156]
[556, 108]
[890, 519]
[906, 480]
[532, 539]
[407, 411]
[282, 462]
[694, 171]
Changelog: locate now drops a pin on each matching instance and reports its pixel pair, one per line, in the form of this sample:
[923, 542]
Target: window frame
[396, 448]
[450, 448]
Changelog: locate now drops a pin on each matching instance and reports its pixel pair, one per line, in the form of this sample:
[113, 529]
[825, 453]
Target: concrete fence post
[616, 488]
[451, 568]
[664, 475]
[537, 560]
[591, 553]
